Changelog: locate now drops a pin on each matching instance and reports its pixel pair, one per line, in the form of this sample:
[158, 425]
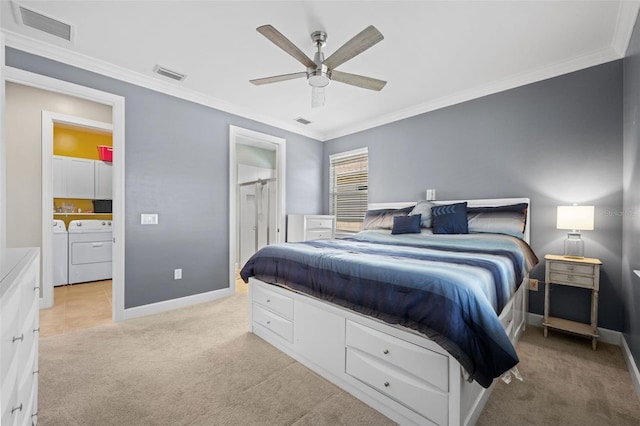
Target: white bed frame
[399, 372]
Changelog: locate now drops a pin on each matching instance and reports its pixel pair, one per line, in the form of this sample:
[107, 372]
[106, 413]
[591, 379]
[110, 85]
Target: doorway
[44, 237]
[256, 195]
[80, 185]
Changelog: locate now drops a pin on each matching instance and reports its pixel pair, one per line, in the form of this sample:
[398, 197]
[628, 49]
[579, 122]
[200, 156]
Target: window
[349, 183]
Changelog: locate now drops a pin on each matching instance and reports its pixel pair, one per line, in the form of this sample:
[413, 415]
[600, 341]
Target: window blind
[348, 199]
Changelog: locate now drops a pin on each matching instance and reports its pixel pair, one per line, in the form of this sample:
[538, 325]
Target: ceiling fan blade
[277, 78]
[317, 97]
[285, 44]
[358, 80]
[358, 44]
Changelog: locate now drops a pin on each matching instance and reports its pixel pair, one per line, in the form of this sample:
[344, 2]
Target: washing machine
[60, 253]
[90, 250]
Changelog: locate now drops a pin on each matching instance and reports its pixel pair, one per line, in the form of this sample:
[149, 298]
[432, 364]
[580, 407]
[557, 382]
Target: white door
[247, 222]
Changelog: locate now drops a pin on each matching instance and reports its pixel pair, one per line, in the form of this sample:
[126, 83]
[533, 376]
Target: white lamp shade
[575, 217]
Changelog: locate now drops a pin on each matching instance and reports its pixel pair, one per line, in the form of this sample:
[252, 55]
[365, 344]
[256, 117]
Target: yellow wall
[85, 206]
[78, 142]
[83, 143]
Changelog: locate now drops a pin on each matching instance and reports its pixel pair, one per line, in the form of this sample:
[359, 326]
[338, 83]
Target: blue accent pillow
[406, 224]
[450, 219]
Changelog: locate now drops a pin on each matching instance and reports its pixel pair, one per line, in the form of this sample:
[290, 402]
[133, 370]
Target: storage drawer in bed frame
[397, 371]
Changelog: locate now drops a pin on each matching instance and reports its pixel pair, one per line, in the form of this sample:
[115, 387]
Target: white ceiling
[434, 54]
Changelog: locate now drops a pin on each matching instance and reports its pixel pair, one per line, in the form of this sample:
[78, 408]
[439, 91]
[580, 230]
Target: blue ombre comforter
[449, 287]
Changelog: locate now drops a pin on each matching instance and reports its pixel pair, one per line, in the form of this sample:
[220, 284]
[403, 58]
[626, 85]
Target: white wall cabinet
[19, 330]
[81, 178]
[102, 182]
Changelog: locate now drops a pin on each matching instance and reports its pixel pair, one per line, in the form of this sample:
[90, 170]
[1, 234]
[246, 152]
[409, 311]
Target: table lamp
[575, 218]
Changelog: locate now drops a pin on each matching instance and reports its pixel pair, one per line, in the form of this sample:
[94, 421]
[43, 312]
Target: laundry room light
[576, 218]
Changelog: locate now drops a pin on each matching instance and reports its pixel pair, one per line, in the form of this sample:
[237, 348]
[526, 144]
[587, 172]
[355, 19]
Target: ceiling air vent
[302, 121]
[168, 73]
[42, 22]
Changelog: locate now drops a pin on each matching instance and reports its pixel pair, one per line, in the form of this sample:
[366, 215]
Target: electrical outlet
[533, 284]
[177, 274]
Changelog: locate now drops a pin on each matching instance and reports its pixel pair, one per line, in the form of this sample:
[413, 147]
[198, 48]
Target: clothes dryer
[90, 250]
[60, 253]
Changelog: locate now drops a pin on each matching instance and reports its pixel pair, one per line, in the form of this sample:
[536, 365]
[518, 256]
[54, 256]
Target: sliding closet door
[247, 222]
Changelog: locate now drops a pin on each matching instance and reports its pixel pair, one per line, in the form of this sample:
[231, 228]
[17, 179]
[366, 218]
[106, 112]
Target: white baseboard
[156, 308]
[607, 336]
[631, 365]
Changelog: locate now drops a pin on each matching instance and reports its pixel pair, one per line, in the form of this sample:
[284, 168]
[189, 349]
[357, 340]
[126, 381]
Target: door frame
[239, 135]
[117, 104]
[49, 120]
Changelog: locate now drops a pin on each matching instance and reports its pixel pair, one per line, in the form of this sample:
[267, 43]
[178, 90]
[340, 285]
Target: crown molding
[564, 67]
[627, 16]
[626, 19]
[68, 57]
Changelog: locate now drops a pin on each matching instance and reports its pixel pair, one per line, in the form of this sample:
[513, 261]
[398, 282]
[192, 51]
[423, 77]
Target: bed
[417, 320]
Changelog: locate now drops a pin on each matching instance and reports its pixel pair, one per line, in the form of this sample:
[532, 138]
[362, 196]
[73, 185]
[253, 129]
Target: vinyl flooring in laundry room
[86, 305]
[77, 307]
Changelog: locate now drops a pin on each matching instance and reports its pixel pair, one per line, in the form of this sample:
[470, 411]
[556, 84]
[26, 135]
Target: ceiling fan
[320, 72]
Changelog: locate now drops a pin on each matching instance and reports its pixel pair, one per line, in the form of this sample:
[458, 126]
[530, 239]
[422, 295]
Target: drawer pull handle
[18, 408]
[35, 330]
[386, 352]
[15, 339]
[268, 300]
[386, 384]
[268, 322]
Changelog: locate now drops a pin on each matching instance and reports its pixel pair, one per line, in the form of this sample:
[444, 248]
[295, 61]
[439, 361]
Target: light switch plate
[149, 219]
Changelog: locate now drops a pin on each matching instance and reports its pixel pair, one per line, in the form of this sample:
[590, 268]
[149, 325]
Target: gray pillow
[383, 218]
[423, 208]
[510, 220]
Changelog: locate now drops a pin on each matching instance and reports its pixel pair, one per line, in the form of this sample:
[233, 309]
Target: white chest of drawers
[19, 330]
[305, 227]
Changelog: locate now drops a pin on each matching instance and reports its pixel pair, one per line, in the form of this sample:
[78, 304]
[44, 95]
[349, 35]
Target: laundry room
[82, 214]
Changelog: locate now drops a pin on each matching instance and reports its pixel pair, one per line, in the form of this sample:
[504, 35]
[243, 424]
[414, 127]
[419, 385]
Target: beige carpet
[565, 383]
[199, 366]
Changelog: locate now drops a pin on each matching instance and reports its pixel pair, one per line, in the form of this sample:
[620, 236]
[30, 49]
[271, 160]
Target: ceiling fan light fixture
[318, 78]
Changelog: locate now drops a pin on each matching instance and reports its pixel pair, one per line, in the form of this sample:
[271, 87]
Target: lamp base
[574, 246]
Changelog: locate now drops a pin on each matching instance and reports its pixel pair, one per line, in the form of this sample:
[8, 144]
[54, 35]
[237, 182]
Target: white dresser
[307, 227]
[19, 330]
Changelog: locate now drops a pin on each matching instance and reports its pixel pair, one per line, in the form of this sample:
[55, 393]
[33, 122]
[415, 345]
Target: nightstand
[574, 272]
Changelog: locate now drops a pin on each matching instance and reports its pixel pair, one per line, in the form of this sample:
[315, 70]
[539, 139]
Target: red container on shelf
[105, 153]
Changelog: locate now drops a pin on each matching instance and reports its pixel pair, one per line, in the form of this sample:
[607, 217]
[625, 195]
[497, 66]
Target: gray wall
[557, 141]
[177, 165]
[631, 208]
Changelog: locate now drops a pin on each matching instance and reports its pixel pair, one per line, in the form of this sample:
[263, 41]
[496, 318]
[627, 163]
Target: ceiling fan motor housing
[320, 75]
